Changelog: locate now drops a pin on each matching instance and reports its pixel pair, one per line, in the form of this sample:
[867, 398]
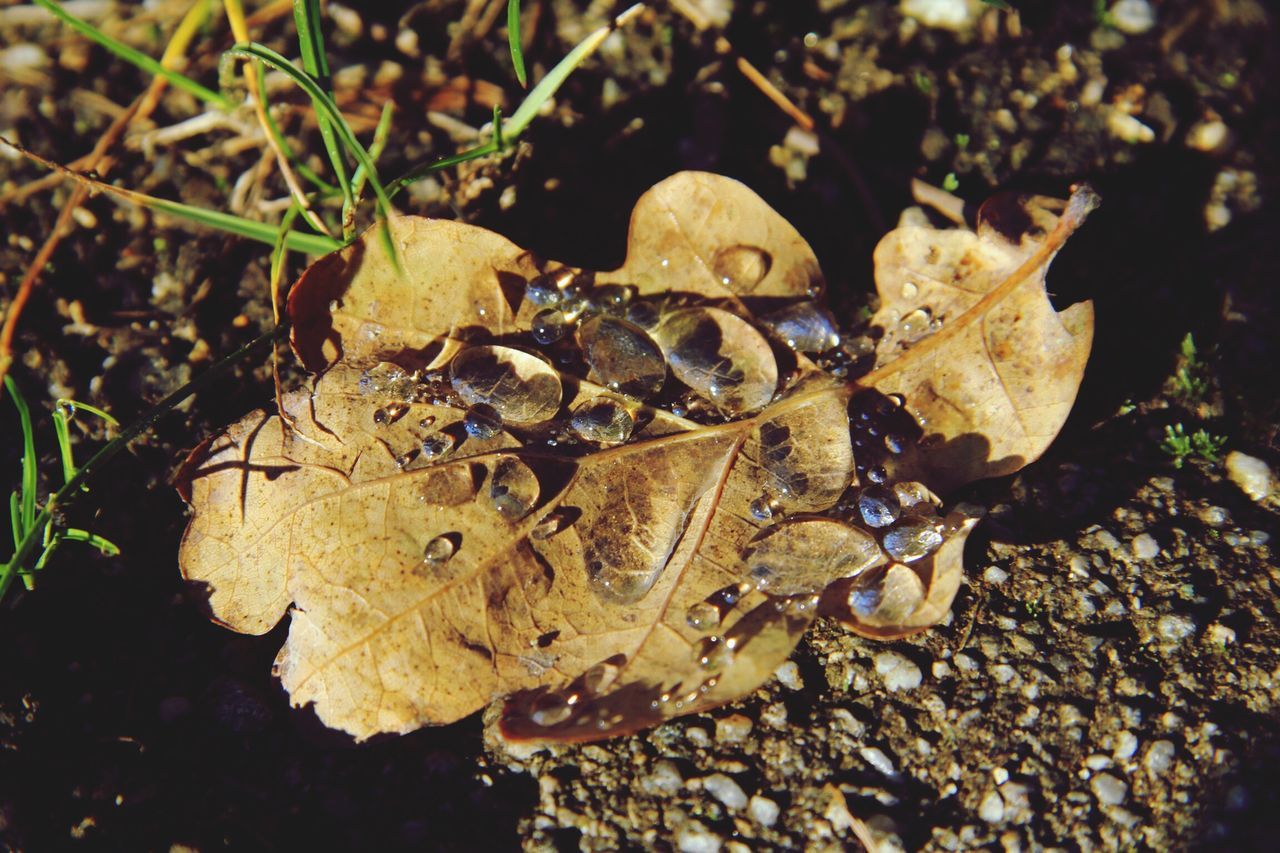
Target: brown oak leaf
[610, 499]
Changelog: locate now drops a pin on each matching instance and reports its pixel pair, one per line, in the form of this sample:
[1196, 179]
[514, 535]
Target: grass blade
[513, 38]
[27, 495]
[136, 57]
[325, 105]
[63, 435]
[306, 16]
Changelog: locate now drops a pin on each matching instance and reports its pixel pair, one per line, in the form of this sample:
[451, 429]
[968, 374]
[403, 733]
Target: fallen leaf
[608, 498]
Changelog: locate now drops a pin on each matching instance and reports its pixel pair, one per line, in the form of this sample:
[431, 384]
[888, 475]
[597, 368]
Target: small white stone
[1208, 136]
[995, 574]
[733, 729]
[897, 671]
[1145, 546]
[1098, 761]
[1126, 128]
[1126, 745]
[1221, 634]
[763, 810]
[694, 837]
[991, 809]
[1000, 775]
[877, 759]
[725, 790]
[788, 674]
[1175, 627]
[1133, 17]
[1109, 790]
[1159, 757]
[1251, 474]
[954, 15]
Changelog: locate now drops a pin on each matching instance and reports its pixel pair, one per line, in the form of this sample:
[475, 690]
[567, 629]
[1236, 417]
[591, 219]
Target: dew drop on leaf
[915, 325]
[622, 356]
[804, 327]
[879, 506]
[554, 522]
[644, 314]
[438, 551]
[548, 326]
[603, 420]
[886, 596]
[912, 539]
[721, 357]
[911, 494]
[802, 556]
[764, 507]
[713, 653]
[611, 299]
[482, 421]
[550, 709]
[513, 488]
[548, 289]
[387, 379]
[702, 616]
[741, 268]
[390, 414]
[601, 676]
[521, 387]
[436, 445]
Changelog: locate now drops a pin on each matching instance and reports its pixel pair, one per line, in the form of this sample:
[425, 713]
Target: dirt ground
[1108, 678]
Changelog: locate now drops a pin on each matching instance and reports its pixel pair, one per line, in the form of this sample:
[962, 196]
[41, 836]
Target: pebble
[1215, 516]
[1144, 546]
[877, 759]
[991, 809]
[763, 810]
[665, 778]
[1133, 17]
[733, 729]
[995, 574]
[695, 837]
[897, 671]
[1159, 757]
[954, 15]
[1221, 634]
[1126, 745]
[1251, 474]
[1175, 627]
[1208, 136]
[726, 791]
[788, 674]
[1109, 790]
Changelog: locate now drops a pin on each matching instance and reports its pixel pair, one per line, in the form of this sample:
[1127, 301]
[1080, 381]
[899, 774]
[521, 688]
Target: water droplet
[721, 357]
[521, 387]
[405, 459]
[482, 421]
[702, 616]
[915, 325]
[740, 268]
[390, 414]
[549, 325]
[550, 709]
[910, 290]
[603, 420]
[436, 445]
[513, 488]
[804, 327]
[912, 540]
[427, 422]
[764, 508]
[387, 379]
[644, 314]
[548, 289]
[623, 356]
[611, 298]
[601, 676]
[913, 495]
[879, 506]
[886, 595]
[554, 522]
[802, 556]
[713, 653]
[895, 442]
[438, 551]
[877, 475]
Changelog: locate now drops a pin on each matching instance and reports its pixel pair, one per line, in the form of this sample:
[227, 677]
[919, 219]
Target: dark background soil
[128, 721]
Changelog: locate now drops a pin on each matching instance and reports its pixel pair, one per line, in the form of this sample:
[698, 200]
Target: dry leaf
[612, 498]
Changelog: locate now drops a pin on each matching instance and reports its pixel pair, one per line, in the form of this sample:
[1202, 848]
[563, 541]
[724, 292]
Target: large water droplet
[764, 507]
[436, 445]
[548, 289]
[482, 421]
[521, 387]
[879, 506]
[622, 356]
[550, 709]
[644, 314]
[610, 299]
[548, 326]
[554, 522]
[438, 551]
[806, 452]
[603, 420]
[721, 357]
[513, 488]
[804, 326]
[912, 540]
[713, 653]
[740, 268]
[601, 676]
[388, 380]
[802, 556]
[909, 290]
[702, 616]
[915, 496]
[886, 595]
[915, 325]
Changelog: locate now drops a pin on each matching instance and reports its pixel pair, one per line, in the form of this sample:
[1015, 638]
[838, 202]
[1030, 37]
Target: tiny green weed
[1200, 443]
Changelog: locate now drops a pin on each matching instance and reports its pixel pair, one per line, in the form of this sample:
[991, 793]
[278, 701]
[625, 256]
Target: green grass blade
[63, 435]
[513, 38]
[76, 406]
[141, 60]
[15, 519]
[27, 496]
[306, 17]
[106, 546]
[325, 105]
[380, 135]
[298, 166]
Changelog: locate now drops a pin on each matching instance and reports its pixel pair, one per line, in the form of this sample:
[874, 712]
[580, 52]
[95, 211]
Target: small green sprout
[922, 82]
[1200, 443]
[962, 141]
[951, 183]
[1191, 379]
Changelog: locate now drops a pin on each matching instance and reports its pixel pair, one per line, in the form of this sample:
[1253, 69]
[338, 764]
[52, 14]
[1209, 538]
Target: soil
[1108, 678]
